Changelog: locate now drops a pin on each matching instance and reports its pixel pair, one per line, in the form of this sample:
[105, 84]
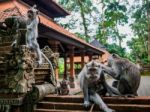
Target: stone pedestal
[71, 82]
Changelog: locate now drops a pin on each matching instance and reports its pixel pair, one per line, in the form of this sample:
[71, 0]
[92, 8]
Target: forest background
[122, 26]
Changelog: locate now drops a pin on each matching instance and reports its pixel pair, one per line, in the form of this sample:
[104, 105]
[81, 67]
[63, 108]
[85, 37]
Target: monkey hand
[86, 104]
[109, 110]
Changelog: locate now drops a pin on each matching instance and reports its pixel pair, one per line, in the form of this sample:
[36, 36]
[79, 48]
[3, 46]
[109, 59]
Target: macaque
[64, 87]
[32, 31]
[89, 78]
[126, 73]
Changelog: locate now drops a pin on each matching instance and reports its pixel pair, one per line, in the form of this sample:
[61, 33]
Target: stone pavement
[75, 90]
[144, 89]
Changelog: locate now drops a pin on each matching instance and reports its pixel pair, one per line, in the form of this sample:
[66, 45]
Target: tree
[114, 14]
[114, 48]
[138, 51]
[141, 29]
[84, 7]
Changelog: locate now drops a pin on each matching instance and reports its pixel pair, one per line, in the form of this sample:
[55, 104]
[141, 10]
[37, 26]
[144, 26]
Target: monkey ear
[114, 55]
[34, 6]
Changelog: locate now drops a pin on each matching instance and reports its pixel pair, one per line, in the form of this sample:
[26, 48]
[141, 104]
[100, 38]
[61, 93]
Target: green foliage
[138, 51]
[138, 45]
[114, 48]
[85, 9]
[113, 14]
[61, 66]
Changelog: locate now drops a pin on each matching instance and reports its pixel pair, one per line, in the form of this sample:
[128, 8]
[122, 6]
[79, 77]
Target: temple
[29, 86]
[21, 75]
[61, 41]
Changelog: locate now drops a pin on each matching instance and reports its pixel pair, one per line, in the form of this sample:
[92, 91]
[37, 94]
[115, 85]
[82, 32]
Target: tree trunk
[148, 13]
[120, 43]
[84, 21]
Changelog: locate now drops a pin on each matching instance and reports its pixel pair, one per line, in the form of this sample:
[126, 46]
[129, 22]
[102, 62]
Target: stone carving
[19, 75]
[53, 57]
[18, 60]
[13, 29]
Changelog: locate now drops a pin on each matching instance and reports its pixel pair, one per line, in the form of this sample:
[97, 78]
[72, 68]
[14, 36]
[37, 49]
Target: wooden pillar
[65, 66]
[82, 58]
[72, 71]
[54, 47]
[90, 57]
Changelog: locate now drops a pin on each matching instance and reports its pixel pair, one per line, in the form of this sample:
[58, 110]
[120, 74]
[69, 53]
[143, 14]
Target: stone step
[113, 100]
[60, 105]
[74, 103]
[5, 48]
[79, 106]
[40, 77]
[6, 44]
[129, 107]
[64, 98]
[2, 53]
[54, 110]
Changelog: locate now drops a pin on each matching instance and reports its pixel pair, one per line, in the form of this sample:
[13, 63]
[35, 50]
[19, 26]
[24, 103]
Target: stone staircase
[74, 103]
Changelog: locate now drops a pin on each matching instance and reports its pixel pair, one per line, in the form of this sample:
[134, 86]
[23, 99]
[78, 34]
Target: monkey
[88, 78]
[32, 31]
[125, 72]
[102, 87]
[64, 88]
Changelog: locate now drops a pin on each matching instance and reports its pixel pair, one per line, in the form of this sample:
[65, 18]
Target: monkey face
[32, 13]
[64, 84]
[93, 71]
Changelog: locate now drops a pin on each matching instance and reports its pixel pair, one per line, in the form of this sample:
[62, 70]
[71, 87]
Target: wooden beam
[90, 57]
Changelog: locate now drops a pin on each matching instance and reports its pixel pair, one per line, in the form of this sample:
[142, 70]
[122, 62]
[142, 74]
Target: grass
[145, 73]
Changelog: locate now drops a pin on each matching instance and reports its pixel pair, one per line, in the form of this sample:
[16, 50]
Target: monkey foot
[86, 104]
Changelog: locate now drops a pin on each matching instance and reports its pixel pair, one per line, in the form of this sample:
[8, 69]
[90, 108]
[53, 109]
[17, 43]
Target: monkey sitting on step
[90, 77]
[126, 73]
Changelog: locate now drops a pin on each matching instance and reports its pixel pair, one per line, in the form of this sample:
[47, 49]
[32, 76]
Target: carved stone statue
[18, 73]
[53, 57]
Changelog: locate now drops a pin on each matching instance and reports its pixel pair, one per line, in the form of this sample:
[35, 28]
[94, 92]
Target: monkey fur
[32, 31]
[126, 73]
[89, 78]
